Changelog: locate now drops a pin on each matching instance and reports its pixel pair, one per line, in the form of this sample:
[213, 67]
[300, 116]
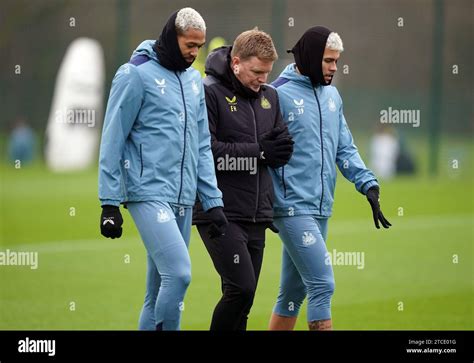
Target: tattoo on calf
[320, 325]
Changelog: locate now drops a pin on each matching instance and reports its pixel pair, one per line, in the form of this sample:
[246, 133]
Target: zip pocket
[141, 161]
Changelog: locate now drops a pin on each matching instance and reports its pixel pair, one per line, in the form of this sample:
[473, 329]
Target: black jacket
[237, 119]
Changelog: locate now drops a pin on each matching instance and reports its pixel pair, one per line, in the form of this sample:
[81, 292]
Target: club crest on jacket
[265, 103]
[195, 87]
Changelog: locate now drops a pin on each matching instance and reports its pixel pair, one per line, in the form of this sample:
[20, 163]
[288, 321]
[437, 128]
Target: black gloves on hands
[111, 221]
[276, 147]
[373, 198]
[219, 222]
[273, 228]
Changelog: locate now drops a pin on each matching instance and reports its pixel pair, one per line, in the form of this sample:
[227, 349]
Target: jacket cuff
[368, 185]
[255, 150]
[110, 202]
[212, 203]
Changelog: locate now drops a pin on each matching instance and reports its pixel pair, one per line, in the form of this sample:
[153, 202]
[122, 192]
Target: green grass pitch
[417, 275]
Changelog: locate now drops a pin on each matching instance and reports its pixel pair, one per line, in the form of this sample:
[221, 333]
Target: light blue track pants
[165, 230]
[305, 271]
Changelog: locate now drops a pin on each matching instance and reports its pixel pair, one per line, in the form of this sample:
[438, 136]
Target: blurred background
[59, 56]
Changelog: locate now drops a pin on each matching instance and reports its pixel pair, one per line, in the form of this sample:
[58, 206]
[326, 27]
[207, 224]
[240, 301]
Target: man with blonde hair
[155, 155]
[248, 138]
[304, 188]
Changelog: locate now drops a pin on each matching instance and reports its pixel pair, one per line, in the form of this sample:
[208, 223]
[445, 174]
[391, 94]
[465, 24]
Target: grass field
[413, 263]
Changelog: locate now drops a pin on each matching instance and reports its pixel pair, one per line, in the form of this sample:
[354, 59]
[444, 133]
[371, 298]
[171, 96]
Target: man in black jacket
[247, 136]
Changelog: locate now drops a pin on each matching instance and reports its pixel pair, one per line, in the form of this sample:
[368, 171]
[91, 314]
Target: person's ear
[235, 65]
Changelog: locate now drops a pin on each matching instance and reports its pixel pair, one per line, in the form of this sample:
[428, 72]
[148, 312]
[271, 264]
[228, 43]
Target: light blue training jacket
[155, 140]
[315, 119]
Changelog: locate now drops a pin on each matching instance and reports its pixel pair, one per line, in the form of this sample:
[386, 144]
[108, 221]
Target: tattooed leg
[320, 325]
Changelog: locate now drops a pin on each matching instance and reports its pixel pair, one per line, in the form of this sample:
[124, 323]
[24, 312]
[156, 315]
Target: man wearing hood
[304, 188]
[155, 155]
[248, 138]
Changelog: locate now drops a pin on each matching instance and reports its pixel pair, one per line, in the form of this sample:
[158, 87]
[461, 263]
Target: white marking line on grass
[402, 223]
[73, 245]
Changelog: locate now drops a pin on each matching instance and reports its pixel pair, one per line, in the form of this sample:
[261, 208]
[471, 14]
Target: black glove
[277, 133]
[273, 228]
[111, 221]
[373, 198]
[276, 147]
[219, 222]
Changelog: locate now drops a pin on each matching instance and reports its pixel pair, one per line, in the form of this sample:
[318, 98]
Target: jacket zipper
[283, 181]
[141, 161]
[258, 176]
[322, 151]
[185, 127]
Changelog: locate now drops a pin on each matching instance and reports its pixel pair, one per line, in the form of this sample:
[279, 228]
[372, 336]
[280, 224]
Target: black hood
[218, 66]
[167, 47]
[308, 53]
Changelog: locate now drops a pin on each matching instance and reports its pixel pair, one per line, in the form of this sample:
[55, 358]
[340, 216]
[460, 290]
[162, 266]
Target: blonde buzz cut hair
[188, 18]
[334, 42]
[254, 43]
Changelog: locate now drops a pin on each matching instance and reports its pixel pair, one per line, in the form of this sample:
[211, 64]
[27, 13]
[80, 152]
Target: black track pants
[237, 257]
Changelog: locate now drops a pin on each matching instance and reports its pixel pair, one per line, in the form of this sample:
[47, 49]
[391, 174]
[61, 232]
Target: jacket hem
[159, 198]
[300, 212]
